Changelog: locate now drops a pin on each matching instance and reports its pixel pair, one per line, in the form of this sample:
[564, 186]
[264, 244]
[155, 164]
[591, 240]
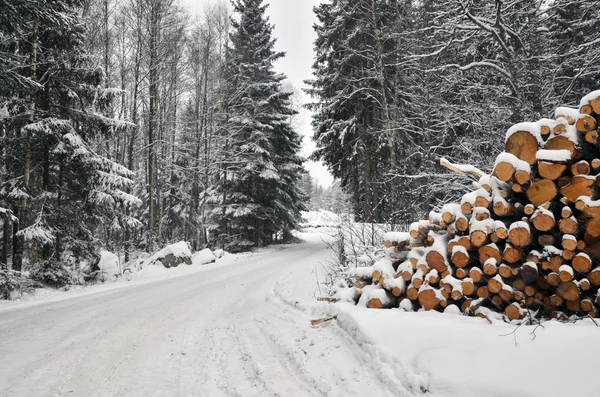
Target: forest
[130, 125]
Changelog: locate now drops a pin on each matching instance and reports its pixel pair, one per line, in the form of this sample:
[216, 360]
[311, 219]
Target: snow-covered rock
[203, 257]
[173, 255]
[109, 265]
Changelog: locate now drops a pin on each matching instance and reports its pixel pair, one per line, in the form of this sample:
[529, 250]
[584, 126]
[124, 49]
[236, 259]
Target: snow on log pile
[525, 242]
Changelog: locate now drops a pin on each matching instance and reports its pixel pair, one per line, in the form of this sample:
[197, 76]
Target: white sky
[293, 20]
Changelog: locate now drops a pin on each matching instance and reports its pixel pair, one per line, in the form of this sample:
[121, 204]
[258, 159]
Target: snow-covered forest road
[241, 329]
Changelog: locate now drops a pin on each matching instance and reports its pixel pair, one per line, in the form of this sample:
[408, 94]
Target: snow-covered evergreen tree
[61, 189]
[256, 195]
[355, 127]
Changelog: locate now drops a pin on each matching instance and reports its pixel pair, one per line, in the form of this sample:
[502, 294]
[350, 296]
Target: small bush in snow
[13, 284]
[52, 274]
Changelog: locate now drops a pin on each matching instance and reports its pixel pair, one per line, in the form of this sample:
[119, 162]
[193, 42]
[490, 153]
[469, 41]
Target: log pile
[525, 242]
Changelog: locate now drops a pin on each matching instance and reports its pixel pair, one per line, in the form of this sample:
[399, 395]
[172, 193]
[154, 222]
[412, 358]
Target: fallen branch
[327, 299]
[463, 169]
[322, 320]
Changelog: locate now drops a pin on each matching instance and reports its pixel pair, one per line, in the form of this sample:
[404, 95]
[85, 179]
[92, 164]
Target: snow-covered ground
[240, 327]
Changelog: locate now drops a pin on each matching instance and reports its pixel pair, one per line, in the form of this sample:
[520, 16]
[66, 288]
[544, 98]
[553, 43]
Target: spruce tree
[355, 127]
[256, 194]
[64, 193]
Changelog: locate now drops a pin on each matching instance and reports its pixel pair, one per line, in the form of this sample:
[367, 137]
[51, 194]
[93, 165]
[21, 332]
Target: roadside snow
[203, 257]
[452, 355]
[109, 265]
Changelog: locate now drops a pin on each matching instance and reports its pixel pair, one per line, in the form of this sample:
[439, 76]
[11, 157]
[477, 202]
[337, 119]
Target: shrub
[52, 274]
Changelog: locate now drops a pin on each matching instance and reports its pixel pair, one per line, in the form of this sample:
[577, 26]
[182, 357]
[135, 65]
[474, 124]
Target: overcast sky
[293, 20]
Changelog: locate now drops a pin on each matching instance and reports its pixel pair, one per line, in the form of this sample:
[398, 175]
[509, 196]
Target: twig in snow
[328, 299]
[322, 320]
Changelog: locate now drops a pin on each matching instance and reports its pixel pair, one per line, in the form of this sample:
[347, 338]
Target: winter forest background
[130, 124]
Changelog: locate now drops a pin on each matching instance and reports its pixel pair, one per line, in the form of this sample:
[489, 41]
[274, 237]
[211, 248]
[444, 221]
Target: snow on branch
[464, 169]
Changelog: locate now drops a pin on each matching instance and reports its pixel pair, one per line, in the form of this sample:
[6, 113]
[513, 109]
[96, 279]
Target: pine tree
[256, 195]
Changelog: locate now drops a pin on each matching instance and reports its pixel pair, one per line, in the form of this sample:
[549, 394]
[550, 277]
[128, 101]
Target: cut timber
[565, 273]
[553, 279]
[490, 267]
[586, 109]
[543, 221]
[561, 143]
[589, 207]
[468, 288]
[560, 128]
[568, 291]
[551, 171]
[574, 305]
[428, 299]
[582, 263]
[586, 123]
[519, 234]
[568, 225]
[587, 305]
[569, 242]
[462, 223]
[436, 261]
[529, 272]
[511, 254]
[595, 104]
[541, 191]
[566, 212]
[581, 168]
[478, 238]
[594, 277]
[489, 251]
[522, 176]
[556, 300]
[378, 303]
[593, 228]
[519, 285]
[495, 285]
[546, 239]
[504, 171]
[412, 293]
[562, 182]
[523, 145]
[476, 275]
[502, 208]
[483, 293]
[580, 186]
[462, 273]
[591, 136]
[505, 271]
[460, 258]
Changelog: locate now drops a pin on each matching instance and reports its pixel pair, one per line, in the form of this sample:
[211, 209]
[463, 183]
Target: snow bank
[203, 257]
[320, 218]
[109, 265]
[432, 351]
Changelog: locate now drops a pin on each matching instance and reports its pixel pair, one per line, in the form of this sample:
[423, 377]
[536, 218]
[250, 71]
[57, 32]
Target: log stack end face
[525, 242]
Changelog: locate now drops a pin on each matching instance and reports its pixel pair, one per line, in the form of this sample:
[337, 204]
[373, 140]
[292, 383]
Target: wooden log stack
[525, 242]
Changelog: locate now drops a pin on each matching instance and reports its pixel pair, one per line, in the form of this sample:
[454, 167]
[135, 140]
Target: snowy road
[236, 330]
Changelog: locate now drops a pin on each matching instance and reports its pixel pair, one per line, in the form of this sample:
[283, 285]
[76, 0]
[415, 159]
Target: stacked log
[524, 242]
